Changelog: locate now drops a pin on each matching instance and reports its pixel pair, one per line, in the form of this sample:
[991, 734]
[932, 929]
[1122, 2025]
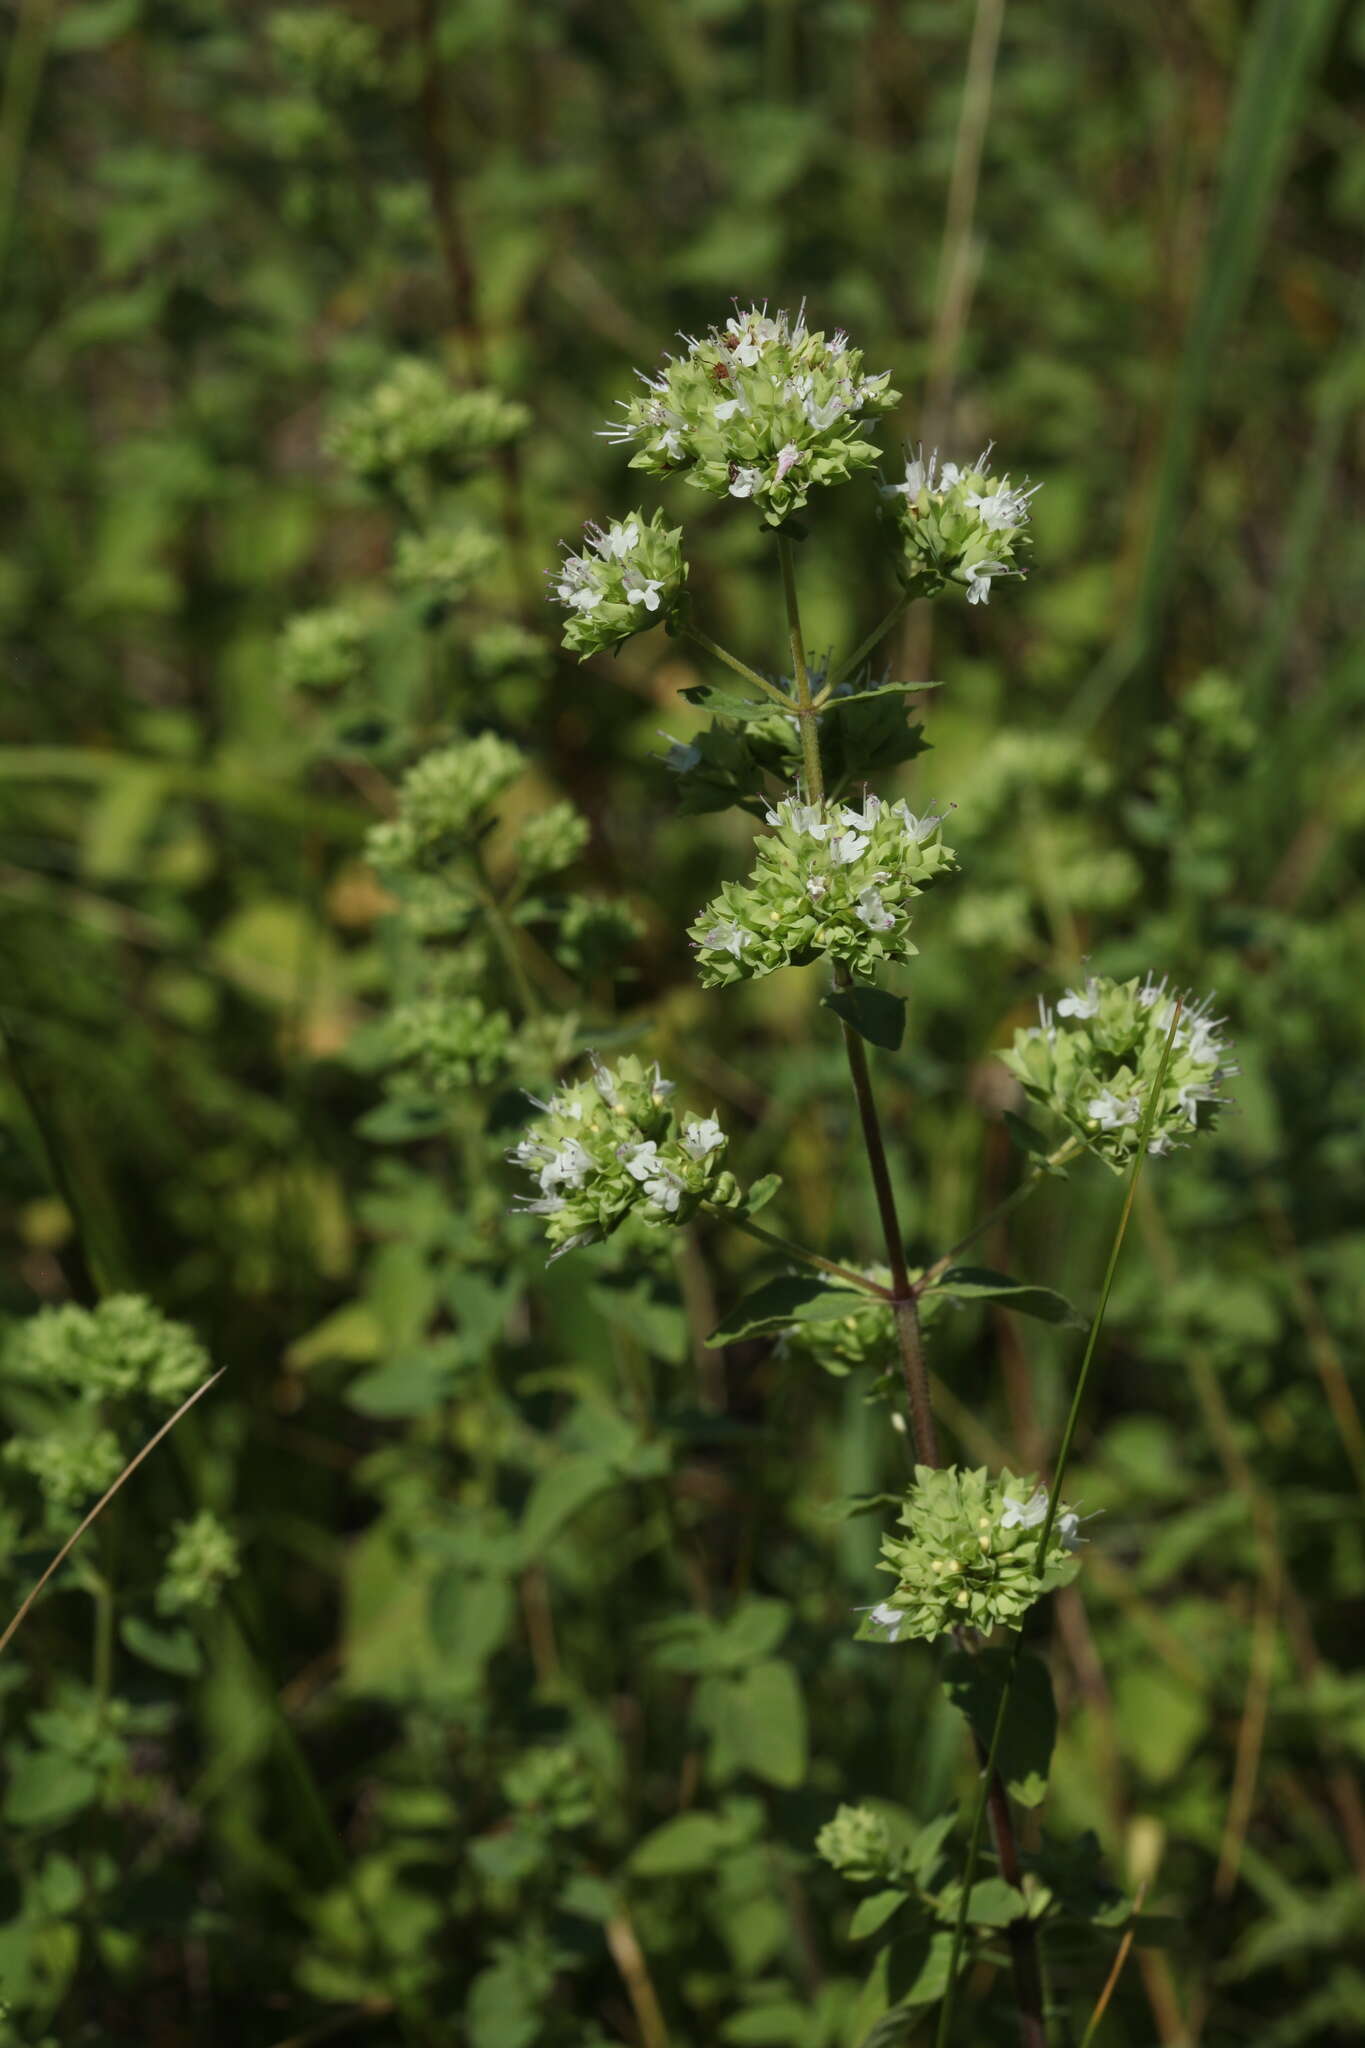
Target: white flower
[874, 912]
[979, 576]
[701, 1135]
[641, 1161]
[822, 414]
[1068, 1527]
[728, 938]
[744, 482]
[1110, 1111]
[786, 458]
[566, 1168]
[918, 828]
[806, 820]
[892, 1619]
[665, 1190]
[816, 887]
[616, 542]
[642, 590]
[1077, 1004]
[847, 847]
[1027, 1514]
[1001, 509]
[866, 818]
[728, 407]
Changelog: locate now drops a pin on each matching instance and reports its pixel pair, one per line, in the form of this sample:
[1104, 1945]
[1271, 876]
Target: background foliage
[538, 1681]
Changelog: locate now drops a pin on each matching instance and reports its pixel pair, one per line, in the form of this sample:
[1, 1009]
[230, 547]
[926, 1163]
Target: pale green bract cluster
[611, 1147]
[866, 1336]
[956, 525]
[203, 1557]
[970, 1556]
[443, 803]
[857, 1842]
[415, 418]
[122, 1349]
[120, 1359]
[1094, 1060]
[834, 879]
[322, 650]
[628, 578]
[452, 1041]
[446, 564]
[764, 409]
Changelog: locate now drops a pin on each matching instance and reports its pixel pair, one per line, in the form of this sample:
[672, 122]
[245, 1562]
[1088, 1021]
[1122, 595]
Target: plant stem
[1002, 1209]
[861, 651]
[505, 937]
[990, 1785]
[1068, 1434]
[741, 668]
[810, 735]
[802, 1253]
[923, 1432]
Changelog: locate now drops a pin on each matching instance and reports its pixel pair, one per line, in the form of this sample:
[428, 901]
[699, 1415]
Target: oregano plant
[767, 411]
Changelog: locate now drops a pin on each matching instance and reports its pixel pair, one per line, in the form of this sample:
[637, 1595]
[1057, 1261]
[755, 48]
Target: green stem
[986, 1781]
[1068, 1434]
[1045, 1538]
[801, 1253]
[741, 668]
[505, 937]
[933, 1273]
[862, 650]
[805, 705]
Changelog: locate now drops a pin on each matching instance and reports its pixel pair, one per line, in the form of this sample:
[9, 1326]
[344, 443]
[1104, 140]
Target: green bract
[322, 650]
[865, 1336]
[833, 879]
[612, 1146]
[121, 1350]
[955, 525]
[765, 409]
[416, 418]
[443, 803]
[454, 1042]
[203, 1557]
[629, 578]
[858, 1843]
[969, 1559]
[446, 564]
[1094, 1060]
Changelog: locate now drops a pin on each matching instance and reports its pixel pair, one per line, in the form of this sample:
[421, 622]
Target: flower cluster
[834, 879]
[764, 409]
[956, 525]
[99, 1366]
[443, 802]
[857, 1842]
[866, 1336]
[124, 1349]
[970, 1557]
[203, 1557]
[628, 578]
[1094, 1059]
[551, 839]
[444, 564]
[415, 418]
[453, 1042]
[609, 1147]
[322, 650]
[552, 1783]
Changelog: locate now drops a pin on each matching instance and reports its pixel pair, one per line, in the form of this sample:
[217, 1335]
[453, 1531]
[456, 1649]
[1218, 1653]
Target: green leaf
[410, 1386]
[761, 1193]
[468, 1617]
[767, 2026]
[791, 1298]
[973, 1684]
[681, 1847]
[978, 1283]
[873, 1913]
[558, 1495]
[46, 1788]
[167, 1649]
[879, 690]
[757, 1723]
[874, 1013]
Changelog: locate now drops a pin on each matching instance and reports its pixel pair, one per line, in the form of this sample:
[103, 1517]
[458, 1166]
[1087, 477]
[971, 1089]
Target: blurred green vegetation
[529, 1577]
